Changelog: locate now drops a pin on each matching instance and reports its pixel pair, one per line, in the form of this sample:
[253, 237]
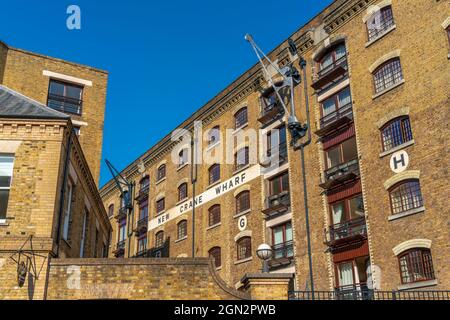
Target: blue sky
[165, 58]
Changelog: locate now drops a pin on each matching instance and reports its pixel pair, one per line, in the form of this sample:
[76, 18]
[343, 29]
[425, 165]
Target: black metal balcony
[65, 104]
[143, 193]
[271, 112]
[330, 74]
[120, 248]
[282, 255]
[335, 120]
[122, 213]
[340, 174]
[346, 232]
[361, 292]
[141, 226]
[277, 205]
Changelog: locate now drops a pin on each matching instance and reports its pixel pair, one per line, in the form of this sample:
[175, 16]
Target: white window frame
[3, 221]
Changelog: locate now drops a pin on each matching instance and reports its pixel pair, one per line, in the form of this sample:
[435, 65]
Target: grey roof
[16, 105]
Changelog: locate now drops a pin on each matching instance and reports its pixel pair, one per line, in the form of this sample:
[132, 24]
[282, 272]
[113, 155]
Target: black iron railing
[142, 225]
[121, 245]
[283, 250]
[65, 104]
[348, 229]
[368, 294]
[380, 28]
[342, 169]
[341, 62]
[344, 111]
[282, 199]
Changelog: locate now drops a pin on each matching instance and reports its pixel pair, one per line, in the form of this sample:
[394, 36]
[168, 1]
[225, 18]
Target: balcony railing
[65, 104]
[122, 213]
[336, 118]
[277, 204]
[347, 231]
[381, 28]
[271, 111]
[141, 226]
[340, 173]
[142, 254]
[120, 248]
[282, 255]
[143, 193]
[368, 294]
[327, 75]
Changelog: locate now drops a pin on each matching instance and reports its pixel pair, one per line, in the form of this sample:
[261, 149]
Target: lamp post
[264, 252]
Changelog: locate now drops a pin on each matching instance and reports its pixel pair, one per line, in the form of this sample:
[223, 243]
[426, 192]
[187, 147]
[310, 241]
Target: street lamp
[264, 252]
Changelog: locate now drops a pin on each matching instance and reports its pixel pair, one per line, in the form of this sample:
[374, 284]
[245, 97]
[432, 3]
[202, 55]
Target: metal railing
[65, 104]
[342, 61]
[348, 229]
[343, 111]
[121, 245]
[334, 172]
[283, 199]
[368, 294]
[283, 250]
[381, 28]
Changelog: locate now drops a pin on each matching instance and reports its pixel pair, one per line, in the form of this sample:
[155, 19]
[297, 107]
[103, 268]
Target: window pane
[73, 92]
[346, 274]
[349, 150]
[278, 235]
[338, 212]
[56, 88]
[4, 196]
[334, 157]
[6, 171]
[356, 206]
[344, 97]
[329, 106]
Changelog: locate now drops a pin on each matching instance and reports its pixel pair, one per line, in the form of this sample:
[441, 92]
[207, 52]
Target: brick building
[74, 89]
[378, 81]
[49, 201]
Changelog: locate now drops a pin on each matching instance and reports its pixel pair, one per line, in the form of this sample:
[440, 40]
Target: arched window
[214, 215]
[396, 132]
[182, 191]
[406, 196]
[332, 58]
[380, 22]
[161, 174]
[214, 136]
[159, 239]
[182, 158]
[387, 75]
[182, 229]
[214, 173]
[241, 158]
[240, 118]
[243, 201]
[111, 210]
[244, 248]
[216, 254]
[416, 265]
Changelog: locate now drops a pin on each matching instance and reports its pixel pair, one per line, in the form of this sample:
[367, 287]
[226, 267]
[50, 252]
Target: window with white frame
[68, 211]
[6, 172]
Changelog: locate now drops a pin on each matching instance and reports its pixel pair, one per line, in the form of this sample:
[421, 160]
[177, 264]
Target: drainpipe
[193, 182]
[305, 189]
[63, 192]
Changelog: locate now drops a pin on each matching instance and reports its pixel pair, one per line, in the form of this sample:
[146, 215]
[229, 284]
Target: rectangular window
[122, 229]
[68, 211]
[347, 210]
[282, 241]
[65, 97]
[142, 244]
[143, 210]
[83, 233]
[276, 142]
[160, 205]
[6, 172]
[214, 173]
[343, 153]
[279, 184]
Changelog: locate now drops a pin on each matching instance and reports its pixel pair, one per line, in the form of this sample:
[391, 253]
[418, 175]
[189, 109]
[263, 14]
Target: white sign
[242, 223]
[399, 161]
[210, 194]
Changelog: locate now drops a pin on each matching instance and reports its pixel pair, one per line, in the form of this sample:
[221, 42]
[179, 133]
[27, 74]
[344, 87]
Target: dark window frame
[64, 97]
[214, 215]
[216, 254]
[214, 176]
[409, 195]
[160, 208]
[214, 136]
[386, 21]
[243, 198]
[161, 172]
[422, 267]
[182, 229]
[240, 166]
[159, 239]
[400, 135]
[244, 248]
[182, 191]
[391, 69]
[241, 118]
[111, 210]
[278, 177]
[340, 145]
